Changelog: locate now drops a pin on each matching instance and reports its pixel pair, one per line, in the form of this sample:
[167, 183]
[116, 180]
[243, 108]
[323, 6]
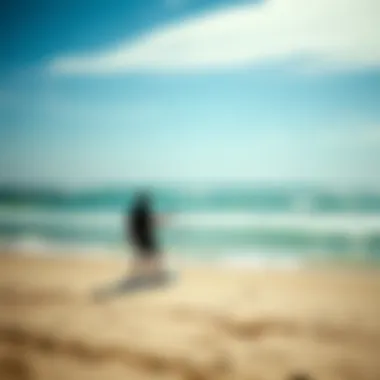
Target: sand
[212, 323]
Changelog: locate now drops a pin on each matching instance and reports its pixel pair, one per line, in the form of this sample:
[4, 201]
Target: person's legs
[137, 264]
[146, 264]
[151, 264]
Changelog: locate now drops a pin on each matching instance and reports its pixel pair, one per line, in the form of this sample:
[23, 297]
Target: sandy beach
[321, 324]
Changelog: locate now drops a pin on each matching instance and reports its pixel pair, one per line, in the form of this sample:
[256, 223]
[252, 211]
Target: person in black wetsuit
[141, 228]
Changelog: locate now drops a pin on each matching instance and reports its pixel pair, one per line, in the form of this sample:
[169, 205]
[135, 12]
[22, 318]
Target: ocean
[256, 224]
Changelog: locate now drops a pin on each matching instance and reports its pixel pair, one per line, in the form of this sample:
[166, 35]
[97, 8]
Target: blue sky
[94, 91]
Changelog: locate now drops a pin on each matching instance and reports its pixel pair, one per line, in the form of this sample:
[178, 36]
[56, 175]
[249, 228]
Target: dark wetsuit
[142, 230]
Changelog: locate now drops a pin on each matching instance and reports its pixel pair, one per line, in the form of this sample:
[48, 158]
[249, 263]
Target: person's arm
[126, 227]
[163, 219]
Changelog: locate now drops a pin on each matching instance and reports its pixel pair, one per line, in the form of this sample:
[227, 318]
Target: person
[141, 230]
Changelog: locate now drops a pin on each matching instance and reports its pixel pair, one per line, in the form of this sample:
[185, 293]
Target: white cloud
[332, 34]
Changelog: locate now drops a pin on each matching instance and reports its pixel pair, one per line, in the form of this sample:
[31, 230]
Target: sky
[95, 91]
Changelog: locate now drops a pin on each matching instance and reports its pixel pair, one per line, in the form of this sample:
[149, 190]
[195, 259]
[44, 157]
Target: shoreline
[255, 261]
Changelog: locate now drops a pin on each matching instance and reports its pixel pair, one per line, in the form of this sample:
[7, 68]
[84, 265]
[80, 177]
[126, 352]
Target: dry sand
[211, 324]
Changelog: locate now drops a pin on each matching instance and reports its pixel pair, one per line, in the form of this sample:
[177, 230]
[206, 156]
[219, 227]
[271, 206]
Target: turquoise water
[201, 199]
[270, 221]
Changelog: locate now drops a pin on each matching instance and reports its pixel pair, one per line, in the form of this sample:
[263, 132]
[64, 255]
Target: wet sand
[321, 324]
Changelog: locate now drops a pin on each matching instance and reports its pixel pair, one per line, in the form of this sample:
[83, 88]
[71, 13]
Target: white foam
[263, 260]
[350, 223]
[36, 246]
[343, 223]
